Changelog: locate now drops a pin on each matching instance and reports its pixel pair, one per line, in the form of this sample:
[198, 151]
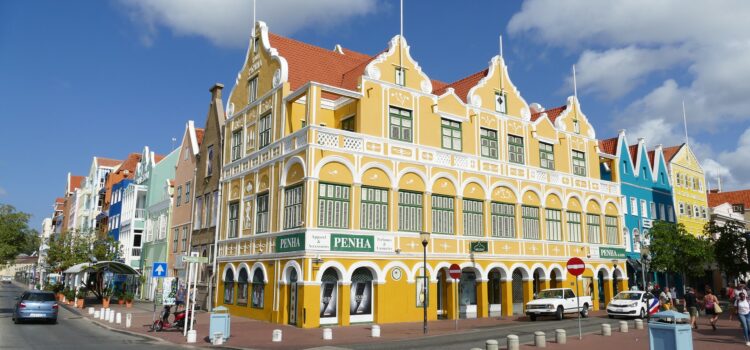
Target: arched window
[637, 239]
[258, 288]
[242, 287]
[229, 287]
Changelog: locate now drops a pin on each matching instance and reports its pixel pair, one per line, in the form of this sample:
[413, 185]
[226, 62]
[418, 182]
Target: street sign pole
[458, 306]
[455, 272]
[576, 267]
[578, 307]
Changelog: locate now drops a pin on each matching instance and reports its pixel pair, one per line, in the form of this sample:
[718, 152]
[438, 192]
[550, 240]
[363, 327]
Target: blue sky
[105, 78]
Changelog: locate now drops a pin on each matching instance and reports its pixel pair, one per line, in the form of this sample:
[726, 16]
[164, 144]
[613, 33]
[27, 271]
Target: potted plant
[129, 299]
[80, 297]
[70, 295]
[120, 297]
[106, 294]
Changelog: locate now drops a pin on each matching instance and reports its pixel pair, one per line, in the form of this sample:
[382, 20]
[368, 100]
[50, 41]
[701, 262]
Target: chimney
[216, 91]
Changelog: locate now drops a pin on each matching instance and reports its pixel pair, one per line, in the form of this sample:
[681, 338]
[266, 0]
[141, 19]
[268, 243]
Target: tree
[673, 249]
[15, 235]
[730, 246]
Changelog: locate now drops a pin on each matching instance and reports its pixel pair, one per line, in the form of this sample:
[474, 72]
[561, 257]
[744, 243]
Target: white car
[557, 302]
[632, 303]
[5, 279]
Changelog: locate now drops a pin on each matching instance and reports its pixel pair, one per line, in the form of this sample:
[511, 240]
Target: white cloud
[625, 42]
[615, 72]
[732, 165]
[228, 22]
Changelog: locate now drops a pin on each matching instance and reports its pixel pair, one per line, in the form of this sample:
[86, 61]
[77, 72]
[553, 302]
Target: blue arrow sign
[159, 270]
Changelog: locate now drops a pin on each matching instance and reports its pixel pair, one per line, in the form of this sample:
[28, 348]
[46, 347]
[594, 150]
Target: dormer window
[501, 102]
[400, 76]
[255, 45]
[576, 126]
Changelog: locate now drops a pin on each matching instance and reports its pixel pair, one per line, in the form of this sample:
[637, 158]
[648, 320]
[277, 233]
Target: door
[361, 296]
[329, 297]
[441, 293]
[293, 297]
[570, 300]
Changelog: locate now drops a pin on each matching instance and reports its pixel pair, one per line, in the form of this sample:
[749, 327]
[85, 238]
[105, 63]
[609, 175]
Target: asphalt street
[70, 332]
[475, 338]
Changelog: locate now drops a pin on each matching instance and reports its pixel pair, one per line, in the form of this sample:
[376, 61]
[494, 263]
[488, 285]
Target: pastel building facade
[647, 196]
[689, 188]
[159, 175]
[331, 174]
[182, 206]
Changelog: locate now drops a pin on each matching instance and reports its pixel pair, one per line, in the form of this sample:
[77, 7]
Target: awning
[112, 266]
[635, 264]
[77, 268]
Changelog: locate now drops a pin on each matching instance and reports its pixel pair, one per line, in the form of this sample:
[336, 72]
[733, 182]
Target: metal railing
[140, 213]
[135, 252]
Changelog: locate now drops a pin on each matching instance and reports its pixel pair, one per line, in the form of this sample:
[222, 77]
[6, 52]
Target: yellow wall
[685, 164]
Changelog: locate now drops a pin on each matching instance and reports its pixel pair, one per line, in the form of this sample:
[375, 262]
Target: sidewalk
[253, 334]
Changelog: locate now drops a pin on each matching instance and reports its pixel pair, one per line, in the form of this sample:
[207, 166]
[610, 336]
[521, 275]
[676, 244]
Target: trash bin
[670, 330]
[219, 322]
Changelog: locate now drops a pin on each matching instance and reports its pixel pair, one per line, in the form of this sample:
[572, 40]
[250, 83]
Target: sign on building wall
[610, 252]
[479, 246]
[352, 243]
[290, 243]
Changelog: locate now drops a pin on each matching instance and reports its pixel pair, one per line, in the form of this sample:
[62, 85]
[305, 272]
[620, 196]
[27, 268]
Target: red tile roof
[158, 158]
[59, 200]
[669, 152]
[733, 197]
[129, 164]
[633, 150]
[462, 86]
[651, 157]
[75, 182]
[312, 63]
[609, 146]
[108, 162]
[199, 135]
[552, 113]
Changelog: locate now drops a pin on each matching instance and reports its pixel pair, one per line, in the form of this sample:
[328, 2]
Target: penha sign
[352, 243]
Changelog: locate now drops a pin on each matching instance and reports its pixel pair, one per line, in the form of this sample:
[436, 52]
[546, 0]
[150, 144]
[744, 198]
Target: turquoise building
[156, 174]
[647, 197]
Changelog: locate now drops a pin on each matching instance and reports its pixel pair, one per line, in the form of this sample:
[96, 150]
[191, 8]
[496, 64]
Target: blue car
[35, 305]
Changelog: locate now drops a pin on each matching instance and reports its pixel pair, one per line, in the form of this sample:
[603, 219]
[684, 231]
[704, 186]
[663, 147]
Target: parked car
[35, 305]
[557, 302]
[6, 279]
[629, 303]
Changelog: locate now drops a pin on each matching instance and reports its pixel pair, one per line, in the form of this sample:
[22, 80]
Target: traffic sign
[159, 270]
[576, 266]
[455, 271]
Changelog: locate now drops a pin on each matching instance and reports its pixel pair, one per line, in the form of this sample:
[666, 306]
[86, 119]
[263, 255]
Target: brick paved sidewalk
[247, 333]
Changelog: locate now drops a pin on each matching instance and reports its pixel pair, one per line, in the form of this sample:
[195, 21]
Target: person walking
[691, 303]
[710, 303]
[664, 300]
[743, 313]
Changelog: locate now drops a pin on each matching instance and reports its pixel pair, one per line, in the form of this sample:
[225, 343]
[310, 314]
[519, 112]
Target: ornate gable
[573, 116]
[384, 67]
[496, 83]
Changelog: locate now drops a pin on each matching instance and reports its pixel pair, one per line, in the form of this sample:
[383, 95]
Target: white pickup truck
[557, 302]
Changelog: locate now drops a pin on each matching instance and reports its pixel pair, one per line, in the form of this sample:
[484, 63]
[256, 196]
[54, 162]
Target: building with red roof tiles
[731, 205]
[333, 162]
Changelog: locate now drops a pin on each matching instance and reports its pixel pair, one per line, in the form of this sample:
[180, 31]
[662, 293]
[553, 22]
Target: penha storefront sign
[338, 242]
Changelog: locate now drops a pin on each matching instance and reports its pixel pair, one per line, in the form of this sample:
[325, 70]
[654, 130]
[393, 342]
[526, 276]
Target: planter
[128, 304]
[105, 303]
[120, 301]
[79, 303]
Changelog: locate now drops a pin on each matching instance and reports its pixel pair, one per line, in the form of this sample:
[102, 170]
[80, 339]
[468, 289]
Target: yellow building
[335, 162]
[689, 193]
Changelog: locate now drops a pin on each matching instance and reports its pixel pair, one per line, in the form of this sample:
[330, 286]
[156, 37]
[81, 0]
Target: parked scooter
[178, 323]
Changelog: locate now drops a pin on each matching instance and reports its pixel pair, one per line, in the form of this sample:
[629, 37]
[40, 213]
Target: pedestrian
[664, 303]
[730, 295]
[673, 295]
[743, 313]
[692, 306]
[650, 287]
[710, 303]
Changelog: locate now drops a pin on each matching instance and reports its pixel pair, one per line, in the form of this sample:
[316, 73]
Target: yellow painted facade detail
[321, 225]
[690, 198]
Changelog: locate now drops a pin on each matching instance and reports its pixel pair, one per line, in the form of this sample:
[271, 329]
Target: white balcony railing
[135, 252]
[140, 213]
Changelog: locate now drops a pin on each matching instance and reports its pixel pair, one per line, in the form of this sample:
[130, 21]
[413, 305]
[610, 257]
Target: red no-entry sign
[576, 266]
[455, 271]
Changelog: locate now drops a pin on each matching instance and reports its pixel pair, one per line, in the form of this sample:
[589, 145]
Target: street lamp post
[425, 236]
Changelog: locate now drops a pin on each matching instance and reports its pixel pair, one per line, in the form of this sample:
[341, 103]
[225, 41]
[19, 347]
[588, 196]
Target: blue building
[115, 208]
[647, 197]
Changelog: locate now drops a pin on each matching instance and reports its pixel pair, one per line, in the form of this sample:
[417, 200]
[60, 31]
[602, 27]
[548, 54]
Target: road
[476, 338]
[70, 332]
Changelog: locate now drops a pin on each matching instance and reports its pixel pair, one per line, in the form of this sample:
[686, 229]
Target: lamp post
[425, 236]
